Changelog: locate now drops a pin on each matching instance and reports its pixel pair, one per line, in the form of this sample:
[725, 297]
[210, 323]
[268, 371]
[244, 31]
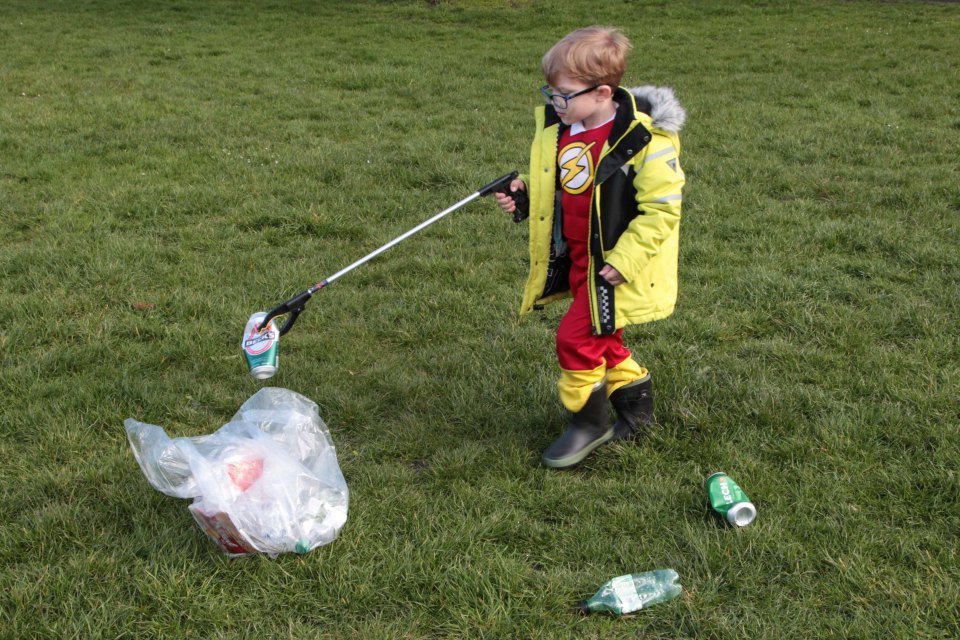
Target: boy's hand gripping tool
[520, 200]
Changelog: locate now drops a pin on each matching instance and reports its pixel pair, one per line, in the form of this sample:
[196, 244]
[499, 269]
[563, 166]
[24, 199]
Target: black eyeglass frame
[565, 97]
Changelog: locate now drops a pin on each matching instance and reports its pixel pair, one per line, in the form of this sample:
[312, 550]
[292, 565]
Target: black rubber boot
[588, 429]
[634, 406]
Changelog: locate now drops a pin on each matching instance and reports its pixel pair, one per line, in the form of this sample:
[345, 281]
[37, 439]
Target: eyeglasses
[562, 100]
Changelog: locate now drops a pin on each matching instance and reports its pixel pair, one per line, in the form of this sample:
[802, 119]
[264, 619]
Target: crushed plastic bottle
[630, 593]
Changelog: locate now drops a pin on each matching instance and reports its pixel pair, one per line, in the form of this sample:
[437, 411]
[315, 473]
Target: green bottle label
[626, 592]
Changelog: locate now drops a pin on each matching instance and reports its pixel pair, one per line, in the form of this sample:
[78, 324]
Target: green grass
[168, 168]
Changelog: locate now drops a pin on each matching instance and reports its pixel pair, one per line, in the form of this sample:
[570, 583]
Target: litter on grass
[728, 499]
[627, 594]
[266, 482]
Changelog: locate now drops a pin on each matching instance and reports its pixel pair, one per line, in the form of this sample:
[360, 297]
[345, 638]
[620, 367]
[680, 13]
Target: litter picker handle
[521, 201]
[500, 185]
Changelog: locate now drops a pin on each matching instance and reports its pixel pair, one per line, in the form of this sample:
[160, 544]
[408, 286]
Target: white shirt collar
[577, 127]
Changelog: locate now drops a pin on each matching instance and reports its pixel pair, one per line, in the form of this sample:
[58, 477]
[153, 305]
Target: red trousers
[578, 349]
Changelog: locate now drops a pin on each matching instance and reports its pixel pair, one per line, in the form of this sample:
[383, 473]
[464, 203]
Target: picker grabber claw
[295, 305]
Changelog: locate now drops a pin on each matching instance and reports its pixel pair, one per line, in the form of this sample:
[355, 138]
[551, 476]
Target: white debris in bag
[268, 481]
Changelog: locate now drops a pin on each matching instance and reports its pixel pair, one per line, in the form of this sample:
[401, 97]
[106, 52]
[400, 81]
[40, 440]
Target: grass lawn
[167, 168]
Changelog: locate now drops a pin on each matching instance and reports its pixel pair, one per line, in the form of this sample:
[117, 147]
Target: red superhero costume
[578, 349]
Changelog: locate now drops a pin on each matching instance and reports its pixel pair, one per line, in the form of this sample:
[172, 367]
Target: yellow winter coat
[634, 213]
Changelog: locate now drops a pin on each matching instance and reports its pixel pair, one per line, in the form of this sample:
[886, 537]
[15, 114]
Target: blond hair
[594, 55]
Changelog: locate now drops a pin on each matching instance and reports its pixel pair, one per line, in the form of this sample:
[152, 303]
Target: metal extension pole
[294, 306]
[399, 239]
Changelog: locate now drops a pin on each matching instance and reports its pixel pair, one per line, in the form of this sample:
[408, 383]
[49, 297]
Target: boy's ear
[604, 91]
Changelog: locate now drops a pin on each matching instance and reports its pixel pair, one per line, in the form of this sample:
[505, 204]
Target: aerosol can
[261, 348]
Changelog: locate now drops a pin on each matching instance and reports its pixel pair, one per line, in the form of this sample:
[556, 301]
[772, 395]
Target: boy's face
[583, 107]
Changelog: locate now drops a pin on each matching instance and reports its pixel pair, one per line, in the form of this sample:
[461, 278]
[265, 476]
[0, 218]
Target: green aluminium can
[261, 348]
[729, 500]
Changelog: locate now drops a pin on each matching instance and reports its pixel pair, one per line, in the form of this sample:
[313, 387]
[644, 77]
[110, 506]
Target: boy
[604, 206]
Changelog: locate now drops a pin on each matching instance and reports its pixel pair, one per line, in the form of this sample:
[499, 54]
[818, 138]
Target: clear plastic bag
[268, 481]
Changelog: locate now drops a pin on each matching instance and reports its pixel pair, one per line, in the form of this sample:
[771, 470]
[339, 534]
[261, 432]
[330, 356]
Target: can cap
[741, 514]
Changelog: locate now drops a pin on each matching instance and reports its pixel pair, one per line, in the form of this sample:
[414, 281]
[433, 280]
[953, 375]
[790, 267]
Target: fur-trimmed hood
[661, 105]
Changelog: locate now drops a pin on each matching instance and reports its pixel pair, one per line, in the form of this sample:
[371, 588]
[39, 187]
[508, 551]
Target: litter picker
[295, 305]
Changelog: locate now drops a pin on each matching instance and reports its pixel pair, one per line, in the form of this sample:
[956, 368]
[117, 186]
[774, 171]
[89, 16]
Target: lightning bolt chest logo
[576, 167]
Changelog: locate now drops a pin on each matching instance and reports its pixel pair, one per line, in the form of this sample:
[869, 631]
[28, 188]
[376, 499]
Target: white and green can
[261, 348]
[729, 500]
